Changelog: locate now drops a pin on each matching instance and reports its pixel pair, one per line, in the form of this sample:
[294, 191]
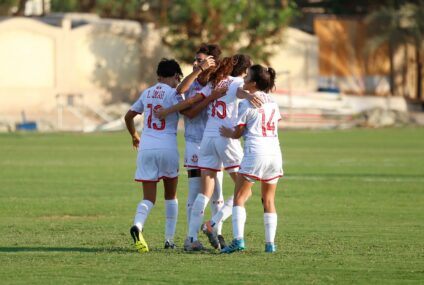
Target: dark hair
[215, 51]
[168, 68]
[210, 49]
[242, 62]
[223, 70]
[263, 77]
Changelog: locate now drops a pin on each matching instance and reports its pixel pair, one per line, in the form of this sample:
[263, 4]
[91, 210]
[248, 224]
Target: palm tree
[384, 27]
[415, 28]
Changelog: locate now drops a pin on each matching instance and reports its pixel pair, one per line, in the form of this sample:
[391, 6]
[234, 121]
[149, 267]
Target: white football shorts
[216, 152]
[191, 155]
[264, 168]
[156, 164]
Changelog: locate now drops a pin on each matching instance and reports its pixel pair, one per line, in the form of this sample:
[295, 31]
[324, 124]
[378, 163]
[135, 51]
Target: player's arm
[187, 103]
[188, 80]
[252, 98]
[129, 122]
[196, 109]
[232, 133]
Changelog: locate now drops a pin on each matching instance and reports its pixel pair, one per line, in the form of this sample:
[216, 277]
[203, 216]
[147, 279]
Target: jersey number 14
[267, 125]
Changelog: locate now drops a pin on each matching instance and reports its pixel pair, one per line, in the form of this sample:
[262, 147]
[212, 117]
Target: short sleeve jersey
[158, 133]
[194, 128]
[222, 112]
[261, 134]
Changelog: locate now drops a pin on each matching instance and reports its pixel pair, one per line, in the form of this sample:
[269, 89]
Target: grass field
[351, 211]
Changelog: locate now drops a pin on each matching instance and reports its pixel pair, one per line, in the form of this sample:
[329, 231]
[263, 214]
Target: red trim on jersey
[259, 179]
[167, 177]
[203, 95]
[142, 180]
[205, 168]
[191, 166]
[229, 167]
[162, 177]
[242, 125]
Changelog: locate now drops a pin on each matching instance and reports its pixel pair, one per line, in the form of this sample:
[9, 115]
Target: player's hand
[135, 140]
[207, 63]
[218, 92]
[255, 100]
[226, 132]
[160, 113]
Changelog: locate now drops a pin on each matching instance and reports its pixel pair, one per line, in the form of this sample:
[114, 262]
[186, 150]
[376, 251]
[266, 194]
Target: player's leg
[270, 214]
[142, 212]
[241, 194]
[168, 170]
[200, 203]
[193, 172]
[171, 210]
[194, 187]
[217, 202]
[147, 173]
[230, 152]
[209, 163]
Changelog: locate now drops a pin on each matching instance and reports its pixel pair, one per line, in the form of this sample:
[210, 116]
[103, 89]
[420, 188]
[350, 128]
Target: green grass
[351, 211]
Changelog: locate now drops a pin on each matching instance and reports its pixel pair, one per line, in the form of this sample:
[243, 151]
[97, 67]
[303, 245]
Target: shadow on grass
[65, 249]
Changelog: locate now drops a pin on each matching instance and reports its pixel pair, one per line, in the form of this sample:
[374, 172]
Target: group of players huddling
[221, 100]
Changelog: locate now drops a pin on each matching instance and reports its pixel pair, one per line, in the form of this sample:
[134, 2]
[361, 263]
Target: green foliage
[396, 26]
[126, 9]
[238, 26]
[350, 212]
[64, 6]
[6, 5]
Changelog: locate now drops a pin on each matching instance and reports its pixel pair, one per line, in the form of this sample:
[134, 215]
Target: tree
[21, 8]
[415, 29]
[238, 26]
[384, 28]
[397, 25]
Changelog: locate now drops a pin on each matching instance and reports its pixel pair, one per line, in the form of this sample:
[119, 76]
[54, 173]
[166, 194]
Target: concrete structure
[72, 60]
[296, 62]
[60, 70]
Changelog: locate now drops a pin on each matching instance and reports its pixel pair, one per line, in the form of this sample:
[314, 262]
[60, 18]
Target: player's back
[194, 127]
[261, 135]
[159, 133]
[223, 112]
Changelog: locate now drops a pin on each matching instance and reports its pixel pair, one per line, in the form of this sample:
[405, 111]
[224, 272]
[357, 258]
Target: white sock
[171, 208]
[194, 184]
[239, 219]
[217, 200]
[270, 222]
[224, 213]
[143, 210]
[197, 213]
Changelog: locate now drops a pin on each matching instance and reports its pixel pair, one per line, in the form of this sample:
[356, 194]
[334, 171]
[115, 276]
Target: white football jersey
[222, 112]
[158, 133]
[261, 134]
[195, 127]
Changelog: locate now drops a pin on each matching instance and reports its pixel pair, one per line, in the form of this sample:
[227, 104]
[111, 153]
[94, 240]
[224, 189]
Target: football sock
[239, 219]
[171, 208]
[197, 213]
[217, 200]
[143, 210]
[224, 213]
[194, 184]
[270, 222]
